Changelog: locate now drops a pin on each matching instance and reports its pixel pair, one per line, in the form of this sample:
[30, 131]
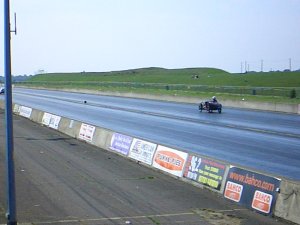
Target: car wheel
[200, 107]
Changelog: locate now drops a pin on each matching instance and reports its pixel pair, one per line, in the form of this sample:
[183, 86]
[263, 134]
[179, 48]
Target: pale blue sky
[106, 35]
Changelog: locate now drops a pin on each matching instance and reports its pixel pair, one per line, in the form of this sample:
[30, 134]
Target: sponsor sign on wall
[86, 132]
[142, 151]
[120, 143]
[262, 201]
[257, 191]
[205, 171]
[54, 121]
[51, 120]
[25, 111]
[170, 160]
[46, 119]
[233, 191]
[16, 108]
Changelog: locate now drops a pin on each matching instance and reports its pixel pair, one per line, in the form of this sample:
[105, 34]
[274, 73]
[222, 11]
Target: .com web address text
[251, 180]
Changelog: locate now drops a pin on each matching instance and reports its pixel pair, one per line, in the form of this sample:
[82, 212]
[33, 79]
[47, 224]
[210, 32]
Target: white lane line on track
[120, 218]
[109, 218]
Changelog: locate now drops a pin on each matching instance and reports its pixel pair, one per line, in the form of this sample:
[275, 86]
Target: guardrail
[258, 191]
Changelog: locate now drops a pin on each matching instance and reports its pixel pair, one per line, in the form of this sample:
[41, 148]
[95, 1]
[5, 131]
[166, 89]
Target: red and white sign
[262, 201]
[170, 160]
[86, 132]
[233, 191]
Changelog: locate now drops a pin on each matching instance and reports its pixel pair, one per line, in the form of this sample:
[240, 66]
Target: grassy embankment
[194, 82]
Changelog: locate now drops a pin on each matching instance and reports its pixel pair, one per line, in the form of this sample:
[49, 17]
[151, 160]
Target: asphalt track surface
[63, 181]
[264, 141]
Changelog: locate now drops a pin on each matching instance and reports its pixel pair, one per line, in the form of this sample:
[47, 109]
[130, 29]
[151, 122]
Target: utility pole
[10, 170]
[262, 66]
[245, 66]
[290, 62]
[241, 67]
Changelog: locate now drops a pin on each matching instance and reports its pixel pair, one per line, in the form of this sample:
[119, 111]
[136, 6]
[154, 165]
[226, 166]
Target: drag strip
[168, 115]
[261, 140]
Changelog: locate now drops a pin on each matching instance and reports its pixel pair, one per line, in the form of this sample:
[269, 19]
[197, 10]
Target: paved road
[262, 140]
[61, 180]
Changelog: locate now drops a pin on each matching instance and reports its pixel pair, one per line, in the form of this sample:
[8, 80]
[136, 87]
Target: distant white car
[2, 90]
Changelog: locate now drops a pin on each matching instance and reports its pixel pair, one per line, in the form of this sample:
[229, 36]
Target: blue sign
[120, 143]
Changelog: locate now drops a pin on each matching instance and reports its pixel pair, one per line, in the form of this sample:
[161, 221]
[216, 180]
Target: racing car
[2, 90]
[210, 105]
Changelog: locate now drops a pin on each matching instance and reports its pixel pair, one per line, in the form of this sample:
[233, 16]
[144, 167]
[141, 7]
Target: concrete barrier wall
[288, 200]
[69, 127]
[276, 107]
[286, 108]
[102, 138]
[36, 116]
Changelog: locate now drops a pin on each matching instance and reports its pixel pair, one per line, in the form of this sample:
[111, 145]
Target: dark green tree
[293, 93]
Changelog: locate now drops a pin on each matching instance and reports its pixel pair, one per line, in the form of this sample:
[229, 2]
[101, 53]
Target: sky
[110, 35]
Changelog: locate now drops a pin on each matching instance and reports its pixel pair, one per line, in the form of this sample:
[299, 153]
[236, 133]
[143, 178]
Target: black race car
[2, 90]
[210, 106]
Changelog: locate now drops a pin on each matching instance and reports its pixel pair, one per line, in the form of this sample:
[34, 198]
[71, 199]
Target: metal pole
[241, 67]
[11, 190]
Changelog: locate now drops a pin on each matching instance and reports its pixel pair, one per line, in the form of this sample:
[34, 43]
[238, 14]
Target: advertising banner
[16, 108]
[86, 132]
[25, 111]
[51, 120]
[205, 171]
[54, 121]
[120, 143]
[233, 191]
[142, 151]
[170, 160]
[256, 191]
[46, 119]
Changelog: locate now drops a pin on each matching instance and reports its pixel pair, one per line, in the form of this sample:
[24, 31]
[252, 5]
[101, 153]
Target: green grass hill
[193, 82]
[189, 76]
